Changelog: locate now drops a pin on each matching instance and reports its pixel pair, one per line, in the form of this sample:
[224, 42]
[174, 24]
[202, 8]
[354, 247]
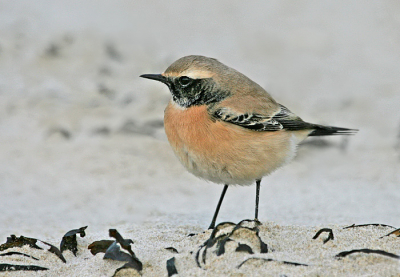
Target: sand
[82, 141]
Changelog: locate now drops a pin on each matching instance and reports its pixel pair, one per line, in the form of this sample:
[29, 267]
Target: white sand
[81, 142]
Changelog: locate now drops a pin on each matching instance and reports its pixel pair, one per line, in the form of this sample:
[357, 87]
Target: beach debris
[113, 251]
[14, 241]
[15, 267]
[17, 253]
[269, 260]
[51, 248]
[171, 249]
[171, 268]
[323, 230]
[369, 224]
[99, 246]
[230, 237]
[244, 248]
[395, 232]
[367, 251]
[69, 242]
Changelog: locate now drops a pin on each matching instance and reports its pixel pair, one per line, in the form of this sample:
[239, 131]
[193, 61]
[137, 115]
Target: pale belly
[224, 153]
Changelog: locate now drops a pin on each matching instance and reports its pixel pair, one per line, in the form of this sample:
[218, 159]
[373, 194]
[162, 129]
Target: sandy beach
[82, 140]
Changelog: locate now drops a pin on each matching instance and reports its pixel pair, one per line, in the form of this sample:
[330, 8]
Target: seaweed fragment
[17, 253]
[367, 251]
[99, 246]
[241, 237]
[114, 252]
[15, 267]
[244, 248]
[328, 230]
[270, 260]
[69, 242]
[219, 232]
[171, 268]
[369, 224]
[171, 249]
[14, 241]
[51, 248]
[395, 232]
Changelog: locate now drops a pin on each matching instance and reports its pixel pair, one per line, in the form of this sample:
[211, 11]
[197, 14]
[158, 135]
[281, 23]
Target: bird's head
[194, 80]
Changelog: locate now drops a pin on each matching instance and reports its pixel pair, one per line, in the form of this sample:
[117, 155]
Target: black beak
[157, 77]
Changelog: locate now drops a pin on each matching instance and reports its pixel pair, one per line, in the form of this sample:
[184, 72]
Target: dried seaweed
[370, 224]
[216, 235]
[114, 252]
[171, 268]
[15, 267]
[395, 232]
[270, 260]
[99, 246]
[69, 242]
[330, 236]
[14, 241]
[171, 249]
[367, 251]
[54, 250]
[18, 253]
[245, 235]
[244, 248]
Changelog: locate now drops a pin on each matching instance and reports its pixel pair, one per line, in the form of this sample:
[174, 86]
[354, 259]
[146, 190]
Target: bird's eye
[185, 81]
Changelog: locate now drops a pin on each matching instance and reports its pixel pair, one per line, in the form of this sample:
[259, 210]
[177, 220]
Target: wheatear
[225, 128]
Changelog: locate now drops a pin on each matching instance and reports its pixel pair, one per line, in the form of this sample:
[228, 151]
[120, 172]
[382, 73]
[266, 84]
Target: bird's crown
[195, 67]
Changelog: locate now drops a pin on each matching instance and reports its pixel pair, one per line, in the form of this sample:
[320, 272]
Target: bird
[227, 129]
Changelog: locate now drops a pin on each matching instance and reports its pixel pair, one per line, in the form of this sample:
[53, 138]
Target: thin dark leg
[212, 225]
[258, 183]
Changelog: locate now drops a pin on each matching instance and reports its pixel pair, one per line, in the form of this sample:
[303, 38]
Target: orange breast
[222, 152]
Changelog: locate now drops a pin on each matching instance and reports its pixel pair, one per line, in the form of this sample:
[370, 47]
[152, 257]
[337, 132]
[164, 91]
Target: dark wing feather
[282, 120]
[254, 122]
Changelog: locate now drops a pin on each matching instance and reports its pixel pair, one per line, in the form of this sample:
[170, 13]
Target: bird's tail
[321, 130]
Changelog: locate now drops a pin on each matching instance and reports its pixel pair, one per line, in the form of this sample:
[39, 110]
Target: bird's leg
[258, 183]
[212, 225]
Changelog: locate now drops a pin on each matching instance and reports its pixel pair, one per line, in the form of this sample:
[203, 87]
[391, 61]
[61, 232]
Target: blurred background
[82, 139]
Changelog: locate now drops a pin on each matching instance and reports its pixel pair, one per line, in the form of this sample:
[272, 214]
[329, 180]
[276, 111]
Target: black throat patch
[197, 92]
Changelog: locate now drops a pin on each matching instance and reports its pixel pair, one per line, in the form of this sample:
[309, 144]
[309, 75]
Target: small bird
[227, 129]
